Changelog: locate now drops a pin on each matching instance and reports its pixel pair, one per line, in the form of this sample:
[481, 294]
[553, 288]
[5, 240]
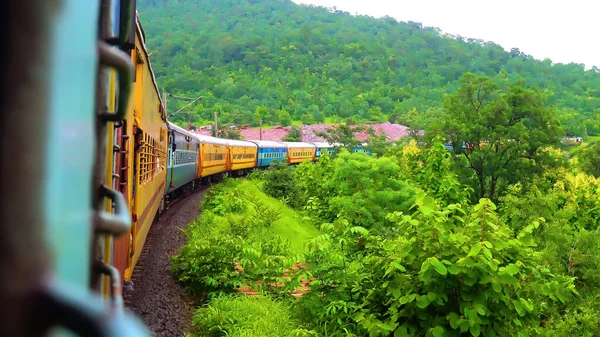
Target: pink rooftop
[390, 130]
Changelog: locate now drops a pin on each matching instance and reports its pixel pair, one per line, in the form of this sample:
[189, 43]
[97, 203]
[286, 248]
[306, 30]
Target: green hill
[275, 60]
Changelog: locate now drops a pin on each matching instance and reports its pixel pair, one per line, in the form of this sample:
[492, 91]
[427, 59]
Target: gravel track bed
[156, 297]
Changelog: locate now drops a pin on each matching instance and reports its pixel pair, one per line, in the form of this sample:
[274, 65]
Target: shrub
[224, 198]
[448, 271]
[279, 183]
[242, 316]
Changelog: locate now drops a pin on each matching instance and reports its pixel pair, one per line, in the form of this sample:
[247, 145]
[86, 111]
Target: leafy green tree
[342, 135]
[295, 135]
[589, 159]
[498, 130]
[284, 118]
[285, 56]
[431, 170]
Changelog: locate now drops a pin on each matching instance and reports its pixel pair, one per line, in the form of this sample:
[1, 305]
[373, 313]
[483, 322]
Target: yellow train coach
[242, 156]
[136, 157]
[299, 152]
[213, 156]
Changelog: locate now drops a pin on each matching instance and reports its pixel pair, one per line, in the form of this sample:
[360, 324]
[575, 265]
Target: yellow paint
[299, 155]
[242, 157]
[212, 159]
[151, 160]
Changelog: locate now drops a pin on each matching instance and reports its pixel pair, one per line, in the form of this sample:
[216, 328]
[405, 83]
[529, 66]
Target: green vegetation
[499, 131]
[496, 237]
[241, 316]
[411, 242]
[281, 62]
[241, 238]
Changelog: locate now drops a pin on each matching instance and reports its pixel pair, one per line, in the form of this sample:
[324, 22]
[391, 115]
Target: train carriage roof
[181, 130]
[322, 145]
[268, 144]
[211, 140]
[297, 145]
[233, 142]
[140, 30]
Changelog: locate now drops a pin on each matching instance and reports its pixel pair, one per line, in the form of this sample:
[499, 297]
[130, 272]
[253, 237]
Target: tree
[295, 135]
[589, 159]
[342, 135]
[284, 118]
[498, 130]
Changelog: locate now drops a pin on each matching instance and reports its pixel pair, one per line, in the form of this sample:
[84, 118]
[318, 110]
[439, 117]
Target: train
[94, 160]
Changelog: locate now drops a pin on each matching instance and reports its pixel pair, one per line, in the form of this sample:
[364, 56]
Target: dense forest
[281, 62]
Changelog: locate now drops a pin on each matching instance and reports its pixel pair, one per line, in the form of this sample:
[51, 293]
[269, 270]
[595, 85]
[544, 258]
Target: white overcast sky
[564, 31]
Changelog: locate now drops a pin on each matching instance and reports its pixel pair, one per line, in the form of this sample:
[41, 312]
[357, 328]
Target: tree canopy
[499, 129]
[312, 64]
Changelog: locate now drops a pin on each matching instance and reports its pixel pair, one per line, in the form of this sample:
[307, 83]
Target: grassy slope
[291, 225]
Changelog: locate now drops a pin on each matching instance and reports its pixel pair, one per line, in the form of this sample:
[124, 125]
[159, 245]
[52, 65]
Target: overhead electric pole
[215, 126]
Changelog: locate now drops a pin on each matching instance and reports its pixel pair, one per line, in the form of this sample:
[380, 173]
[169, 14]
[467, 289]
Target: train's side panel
[242, 155]
[361, 149]
[322, 147]
[298, 152]
[170, 158]
[184, 160]
[298, 155]
[212, 157]
[267, 155]
[150, 150]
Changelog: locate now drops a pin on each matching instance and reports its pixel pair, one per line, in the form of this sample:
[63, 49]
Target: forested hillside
[275, 60]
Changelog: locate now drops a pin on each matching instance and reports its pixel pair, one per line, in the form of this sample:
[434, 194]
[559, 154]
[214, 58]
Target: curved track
[156, 297]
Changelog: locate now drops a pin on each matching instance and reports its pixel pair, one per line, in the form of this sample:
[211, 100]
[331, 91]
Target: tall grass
[243, 316]
[291, 225]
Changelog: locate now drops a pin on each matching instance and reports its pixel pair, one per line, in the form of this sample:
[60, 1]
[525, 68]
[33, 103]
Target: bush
[224, 198]
[448, 271]
[232, 245]
[279, 183]
[242, 316]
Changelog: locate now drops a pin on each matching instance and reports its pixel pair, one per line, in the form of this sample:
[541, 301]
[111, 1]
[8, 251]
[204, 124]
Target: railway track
[156, 296]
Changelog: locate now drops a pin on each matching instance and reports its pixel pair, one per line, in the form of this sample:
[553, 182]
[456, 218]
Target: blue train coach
[322, 147]
[269, 151]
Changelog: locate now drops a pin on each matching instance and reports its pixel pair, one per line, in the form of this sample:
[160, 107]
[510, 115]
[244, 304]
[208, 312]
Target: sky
[563, 30]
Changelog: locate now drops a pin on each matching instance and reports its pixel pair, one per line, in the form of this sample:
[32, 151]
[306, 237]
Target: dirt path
[156, 297]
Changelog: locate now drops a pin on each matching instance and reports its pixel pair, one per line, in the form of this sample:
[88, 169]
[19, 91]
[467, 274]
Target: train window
[151, 156]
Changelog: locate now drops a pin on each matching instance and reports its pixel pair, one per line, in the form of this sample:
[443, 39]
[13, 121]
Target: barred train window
[152, 159]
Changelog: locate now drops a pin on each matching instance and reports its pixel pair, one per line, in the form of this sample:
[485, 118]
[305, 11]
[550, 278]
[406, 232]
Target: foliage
[499, 130]
[231, 246]
[305, 62]
[367, 189]
[228, 133]
[570, 210]
[224, 198]
[242, 316]
[342, 136]
[279, 182]
[446, 272]
[377, 145]
[431, 170]
[295, 135]
[589, 159]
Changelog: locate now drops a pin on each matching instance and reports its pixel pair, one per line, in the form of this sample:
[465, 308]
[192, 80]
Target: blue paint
[267, 155]
[319, 149]
[362, 149]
